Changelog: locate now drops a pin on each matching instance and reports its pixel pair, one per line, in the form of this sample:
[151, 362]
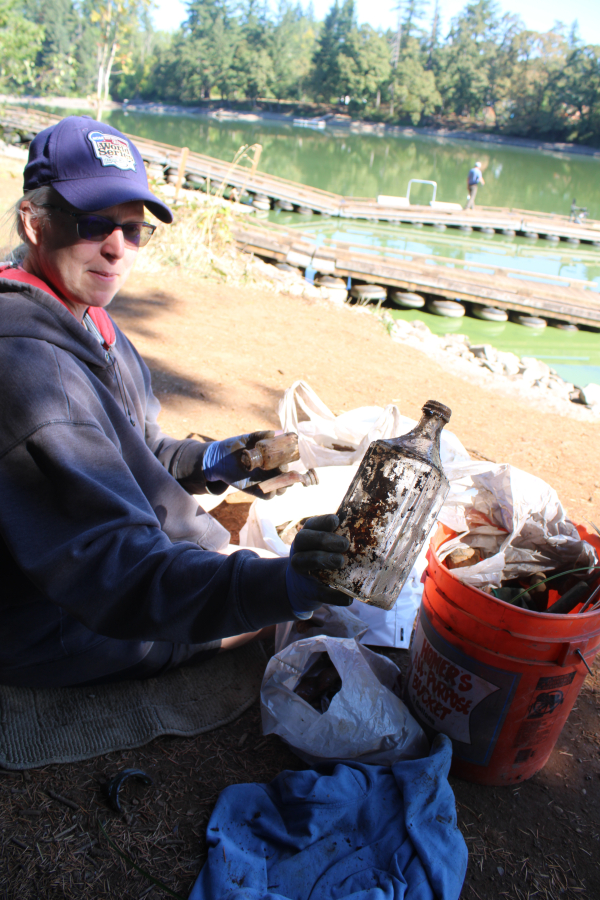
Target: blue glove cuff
[219, 462]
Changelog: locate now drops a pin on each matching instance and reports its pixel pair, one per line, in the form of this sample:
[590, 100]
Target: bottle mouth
[435, 408]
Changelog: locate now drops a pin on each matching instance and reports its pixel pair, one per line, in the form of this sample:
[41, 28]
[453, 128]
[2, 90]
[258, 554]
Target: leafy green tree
[20, 43]
[293, 44]
[213, 30]
[135, 78]
[365, 65]
[581, 93]
[415, 91]
[252, 58]
[55, 63]
[117, 23]
[534, 104]
[330, 68]
[463, 67]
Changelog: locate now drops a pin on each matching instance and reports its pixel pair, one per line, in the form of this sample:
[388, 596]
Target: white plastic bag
[512, 515]
[298, 502]
[328, 440]
[333, 621]
[366, 721]
[393, 627]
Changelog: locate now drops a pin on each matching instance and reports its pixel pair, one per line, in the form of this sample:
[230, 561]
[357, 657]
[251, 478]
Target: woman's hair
[38, 198]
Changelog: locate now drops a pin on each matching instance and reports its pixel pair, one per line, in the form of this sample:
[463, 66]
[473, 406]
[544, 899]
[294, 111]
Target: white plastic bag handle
[300, 394]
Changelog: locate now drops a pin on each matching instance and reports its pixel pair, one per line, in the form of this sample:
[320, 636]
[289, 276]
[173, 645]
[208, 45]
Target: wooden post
[256, 159]
[184, 155]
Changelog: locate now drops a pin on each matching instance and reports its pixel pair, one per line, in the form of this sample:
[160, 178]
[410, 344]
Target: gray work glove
[315, 549]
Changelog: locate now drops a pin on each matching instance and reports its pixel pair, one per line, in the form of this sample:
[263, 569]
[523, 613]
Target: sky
[538, 15]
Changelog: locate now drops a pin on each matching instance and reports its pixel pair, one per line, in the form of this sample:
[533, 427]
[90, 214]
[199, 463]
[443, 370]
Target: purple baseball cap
[91, 165]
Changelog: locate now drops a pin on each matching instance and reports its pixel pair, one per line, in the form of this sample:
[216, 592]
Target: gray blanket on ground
[60, 725]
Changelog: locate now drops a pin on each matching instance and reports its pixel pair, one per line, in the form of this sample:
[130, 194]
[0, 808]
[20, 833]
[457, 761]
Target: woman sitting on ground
[111, 570]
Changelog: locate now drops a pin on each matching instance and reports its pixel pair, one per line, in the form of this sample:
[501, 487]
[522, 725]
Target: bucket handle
[569, 649]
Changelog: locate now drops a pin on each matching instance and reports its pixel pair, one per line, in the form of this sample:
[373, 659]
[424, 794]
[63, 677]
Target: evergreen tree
[252, 59]
[463, 67]
[365, 66]
[581, 93]
[211, 35]
[293, 46]
[330, 79]
[415, 89]
[85, 49]
[434, 35]
[55, 62]
[414, 13]
[20, 43]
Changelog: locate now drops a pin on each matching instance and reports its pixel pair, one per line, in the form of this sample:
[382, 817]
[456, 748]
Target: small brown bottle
[389, 509]
[271, 453]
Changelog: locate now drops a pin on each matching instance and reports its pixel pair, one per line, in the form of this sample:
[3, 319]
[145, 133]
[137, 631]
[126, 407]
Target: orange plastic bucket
[498, 680]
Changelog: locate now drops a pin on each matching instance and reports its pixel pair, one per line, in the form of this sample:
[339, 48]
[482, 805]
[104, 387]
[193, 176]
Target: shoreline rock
[526, 377]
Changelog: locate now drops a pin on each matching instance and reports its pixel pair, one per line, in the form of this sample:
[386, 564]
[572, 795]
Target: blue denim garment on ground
[342, 831]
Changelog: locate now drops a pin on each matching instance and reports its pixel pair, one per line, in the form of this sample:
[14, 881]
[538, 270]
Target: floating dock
[555, 298]
[551, 297]
[211, 173]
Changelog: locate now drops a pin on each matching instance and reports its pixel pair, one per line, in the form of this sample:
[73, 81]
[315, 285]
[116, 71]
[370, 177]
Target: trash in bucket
[499, 680]
[508, 525]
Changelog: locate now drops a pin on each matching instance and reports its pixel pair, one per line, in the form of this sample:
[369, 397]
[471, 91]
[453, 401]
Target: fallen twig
[64, 800]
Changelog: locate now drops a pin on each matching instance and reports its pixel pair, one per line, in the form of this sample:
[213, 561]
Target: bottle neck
[429, 427]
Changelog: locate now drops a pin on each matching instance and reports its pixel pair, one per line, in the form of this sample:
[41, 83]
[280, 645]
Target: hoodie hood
[30, 309]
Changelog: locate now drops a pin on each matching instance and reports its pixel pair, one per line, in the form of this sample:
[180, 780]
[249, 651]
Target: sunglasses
[98, 228]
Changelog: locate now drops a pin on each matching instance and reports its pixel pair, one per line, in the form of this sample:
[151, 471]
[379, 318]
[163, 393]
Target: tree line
[484, 66]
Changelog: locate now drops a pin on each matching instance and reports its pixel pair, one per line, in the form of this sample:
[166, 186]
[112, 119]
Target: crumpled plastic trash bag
[333, 621]
[515, 518]
[366, 720]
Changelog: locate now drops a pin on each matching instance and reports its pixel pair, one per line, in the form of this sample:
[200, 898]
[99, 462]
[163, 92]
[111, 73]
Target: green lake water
[364, 165]
[574, 355]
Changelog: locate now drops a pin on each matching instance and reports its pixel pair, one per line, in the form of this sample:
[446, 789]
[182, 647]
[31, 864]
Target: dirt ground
[221, 357]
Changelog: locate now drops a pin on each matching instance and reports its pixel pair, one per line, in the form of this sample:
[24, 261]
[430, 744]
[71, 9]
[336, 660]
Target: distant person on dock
[111, 568]
[474, 179]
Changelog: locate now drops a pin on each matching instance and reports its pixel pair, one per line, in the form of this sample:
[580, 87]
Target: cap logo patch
[112, 150]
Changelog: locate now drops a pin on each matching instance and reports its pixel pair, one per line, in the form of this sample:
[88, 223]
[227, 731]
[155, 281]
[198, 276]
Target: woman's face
[83, 273]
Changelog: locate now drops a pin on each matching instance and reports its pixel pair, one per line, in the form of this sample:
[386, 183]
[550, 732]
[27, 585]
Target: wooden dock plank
[569, 300]
[566, 303]
[276, 188]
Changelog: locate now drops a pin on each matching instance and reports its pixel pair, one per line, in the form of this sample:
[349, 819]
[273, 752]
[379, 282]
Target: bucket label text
[444, 693]
[449, 690]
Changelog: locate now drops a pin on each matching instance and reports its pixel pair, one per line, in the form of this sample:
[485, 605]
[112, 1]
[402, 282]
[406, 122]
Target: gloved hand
[222, 462]
[315, 549]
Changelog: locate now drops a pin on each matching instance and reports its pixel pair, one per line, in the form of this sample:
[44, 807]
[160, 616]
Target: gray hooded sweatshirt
[101, 545]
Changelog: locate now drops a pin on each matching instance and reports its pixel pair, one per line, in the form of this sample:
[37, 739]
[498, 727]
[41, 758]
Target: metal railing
[421, 181]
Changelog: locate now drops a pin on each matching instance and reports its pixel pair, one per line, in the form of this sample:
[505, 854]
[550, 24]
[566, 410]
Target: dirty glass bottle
[389, 509]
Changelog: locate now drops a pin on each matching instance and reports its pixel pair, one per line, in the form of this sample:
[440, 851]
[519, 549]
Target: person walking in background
[474, 179]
